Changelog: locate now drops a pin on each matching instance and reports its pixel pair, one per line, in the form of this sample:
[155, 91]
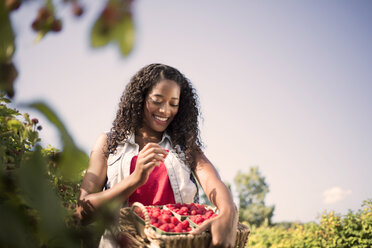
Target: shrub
[349, 231]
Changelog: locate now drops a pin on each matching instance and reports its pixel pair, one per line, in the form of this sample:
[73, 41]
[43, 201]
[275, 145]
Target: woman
[150, 152]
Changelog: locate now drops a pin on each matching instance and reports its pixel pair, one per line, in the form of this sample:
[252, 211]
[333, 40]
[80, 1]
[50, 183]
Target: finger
[155, 155]
[150, 145]
[203, 227]
[152, 158]
[151, 165]
[154, 150]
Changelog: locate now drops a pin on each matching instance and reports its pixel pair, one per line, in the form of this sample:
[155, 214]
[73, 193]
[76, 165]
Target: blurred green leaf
[7, 46]
[4, 99]
[14, 231]
[4, 110]
[114, 25]
[73, 160]
[38, 194]
[100, 35]
[15, 125]
[54, 119]
[125, 35]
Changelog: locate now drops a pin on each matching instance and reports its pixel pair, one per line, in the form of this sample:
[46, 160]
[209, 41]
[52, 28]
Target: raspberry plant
[113, 25]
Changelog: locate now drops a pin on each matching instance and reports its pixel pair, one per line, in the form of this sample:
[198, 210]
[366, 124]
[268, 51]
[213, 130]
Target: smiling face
[161, 105]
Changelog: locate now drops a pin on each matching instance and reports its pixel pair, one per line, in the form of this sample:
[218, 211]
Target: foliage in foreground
[353, 230]
[39, 186]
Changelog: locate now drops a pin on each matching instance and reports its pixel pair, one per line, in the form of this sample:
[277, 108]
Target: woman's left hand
[223, 229]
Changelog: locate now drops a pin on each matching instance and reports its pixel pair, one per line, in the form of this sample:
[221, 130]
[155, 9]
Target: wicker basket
[139, 235]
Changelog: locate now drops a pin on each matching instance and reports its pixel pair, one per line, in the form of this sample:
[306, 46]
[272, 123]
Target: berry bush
[334, 231]
[39, 186]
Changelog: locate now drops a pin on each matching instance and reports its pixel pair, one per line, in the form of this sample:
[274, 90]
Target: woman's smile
[161, 120]
[161, 106]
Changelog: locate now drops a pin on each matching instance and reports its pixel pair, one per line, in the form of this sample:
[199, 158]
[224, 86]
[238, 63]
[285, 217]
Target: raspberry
[201, 209]
[153, 220]
[184, 209]
[77, 9]
[174, 220]
[164, 227]
[185, 224]
[157, 224]
[166, 218]
[56, 25]
[155, 214]
[209, 213]
[13, 4]
[200, 219]
[166, 212]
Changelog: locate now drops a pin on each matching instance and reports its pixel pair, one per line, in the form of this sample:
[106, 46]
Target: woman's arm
[223, 227]
[91, 195]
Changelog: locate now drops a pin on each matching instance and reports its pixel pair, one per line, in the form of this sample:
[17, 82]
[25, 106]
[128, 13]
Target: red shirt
[156, 191]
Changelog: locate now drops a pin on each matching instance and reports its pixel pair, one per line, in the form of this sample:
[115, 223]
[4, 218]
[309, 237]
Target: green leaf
[53, 118]
[120, 30]
[125, 35]
[14, 230]
[32, 136]
[4, 99]
[14, 125]
[38, 194]
[100, 35]
[7, 46]
[73, 160]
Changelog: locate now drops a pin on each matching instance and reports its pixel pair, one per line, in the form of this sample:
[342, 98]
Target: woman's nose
[164, 108]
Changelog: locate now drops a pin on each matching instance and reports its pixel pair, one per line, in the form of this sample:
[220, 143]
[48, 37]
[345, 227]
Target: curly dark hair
[183, 130]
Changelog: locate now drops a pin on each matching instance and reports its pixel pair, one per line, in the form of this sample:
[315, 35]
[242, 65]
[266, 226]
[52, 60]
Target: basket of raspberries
[170, 225]
[162, 220]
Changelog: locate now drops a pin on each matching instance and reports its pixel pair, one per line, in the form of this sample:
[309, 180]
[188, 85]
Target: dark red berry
[56, 25]
[35, 121]
[157, 224]
[178, 229]
[36, 25]
[185, 224]
[44, 13]
[164, 227]
[77, 9]
[13, 4]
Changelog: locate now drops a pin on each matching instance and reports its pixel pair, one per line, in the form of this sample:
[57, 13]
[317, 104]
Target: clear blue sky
[284, 85]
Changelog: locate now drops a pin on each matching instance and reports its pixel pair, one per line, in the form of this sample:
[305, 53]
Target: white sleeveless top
[118, 168]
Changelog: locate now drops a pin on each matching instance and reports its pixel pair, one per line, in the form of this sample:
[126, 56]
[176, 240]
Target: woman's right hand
[149, 157]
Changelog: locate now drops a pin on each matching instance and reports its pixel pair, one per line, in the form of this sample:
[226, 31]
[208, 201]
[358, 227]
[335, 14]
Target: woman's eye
[156, 102]
[174, 105]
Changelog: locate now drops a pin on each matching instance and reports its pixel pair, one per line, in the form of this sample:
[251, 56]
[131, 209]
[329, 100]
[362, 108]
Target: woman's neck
[143, 137]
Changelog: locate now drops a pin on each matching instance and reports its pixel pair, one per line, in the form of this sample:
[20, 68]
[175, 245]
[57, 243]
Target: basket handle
[144, 211]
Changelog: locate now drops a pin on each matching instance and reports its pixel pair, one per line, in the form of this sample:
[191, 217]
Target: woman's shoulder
[101, 143]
